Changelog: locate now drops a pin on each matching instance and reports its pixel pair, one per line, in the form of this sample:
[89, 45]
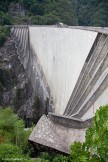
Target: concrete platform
[53, 135]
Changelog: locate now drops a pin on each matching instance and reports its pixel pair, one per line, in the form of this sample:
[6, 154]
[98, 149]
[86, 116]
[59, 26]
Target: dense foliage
[51, 11]
[4, 31]
[70, 12]
[8, 152]
[92, 12]
[95, 148]
[53, 157]
[5, 19]
[13, 136]
[42, 12]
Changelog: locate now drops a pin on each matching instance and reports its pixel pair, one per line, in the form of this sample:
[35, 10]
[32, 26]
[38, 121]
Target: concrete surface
[53, 135]
[61, 53]
[68, 69]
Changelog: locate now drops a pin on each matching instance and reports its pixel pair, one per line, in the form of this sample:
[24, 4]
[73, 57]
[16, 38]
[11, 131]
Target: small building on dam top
[68, 69]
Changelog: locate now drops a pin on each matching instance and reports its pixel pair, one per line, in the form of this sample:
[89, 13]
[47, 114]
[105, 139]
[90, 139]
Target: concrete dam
[68, 70]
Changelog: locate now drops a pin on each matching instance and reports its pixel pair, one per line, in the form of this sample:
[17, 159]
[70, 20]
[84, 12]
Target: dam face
[68, 69]
[60, 50]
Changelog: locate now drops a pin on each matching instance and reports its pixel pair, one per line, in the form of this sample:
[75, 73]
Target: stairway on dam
[68, 69]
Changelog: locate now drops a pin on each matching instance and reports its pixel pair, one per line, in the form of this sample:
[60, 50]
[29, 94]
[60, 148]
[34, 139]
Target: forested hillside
[70, 12]
[92, 12]
[41, 12]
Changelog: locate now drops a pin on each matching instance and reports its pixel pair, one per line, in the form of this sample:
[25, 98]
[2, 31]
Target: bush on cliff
[4, 31]
[5, 18]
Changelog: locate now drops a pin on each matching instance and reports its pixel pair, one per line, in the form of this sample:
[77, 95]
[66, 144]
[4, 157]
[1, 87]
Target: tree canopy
[95, 148]
[49, 12]
[92, 12]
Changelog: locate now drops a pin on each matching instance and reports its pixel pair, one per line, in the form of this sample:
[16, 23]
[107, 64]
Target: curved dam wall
[66, 65]
[68, 69]
[61, 53]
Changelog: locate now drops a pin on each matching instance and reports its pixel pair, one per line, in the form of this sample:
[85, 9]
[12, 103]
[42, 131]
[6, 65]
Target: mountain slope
[48, 12]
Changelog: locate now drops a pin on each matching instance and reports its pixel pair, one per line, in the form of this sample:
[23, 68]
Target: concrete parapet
[70, 122]
[102, 30]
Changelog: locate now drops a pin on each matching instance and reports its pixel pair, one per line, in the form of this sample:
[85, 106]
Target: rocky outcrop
[15, 89]
[16, 9]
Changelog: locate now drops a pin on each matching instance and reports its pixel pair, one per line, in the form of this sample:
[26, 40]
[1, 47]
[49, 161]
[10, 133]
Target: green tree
[95, 148]
[51, 11]
[46, 157]
[97, 15]
[9, 152]
[60, 158]
[12, 129]
[4, 31]
[97, 135]
[79, 153]
[5, 19]
[37, 9]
